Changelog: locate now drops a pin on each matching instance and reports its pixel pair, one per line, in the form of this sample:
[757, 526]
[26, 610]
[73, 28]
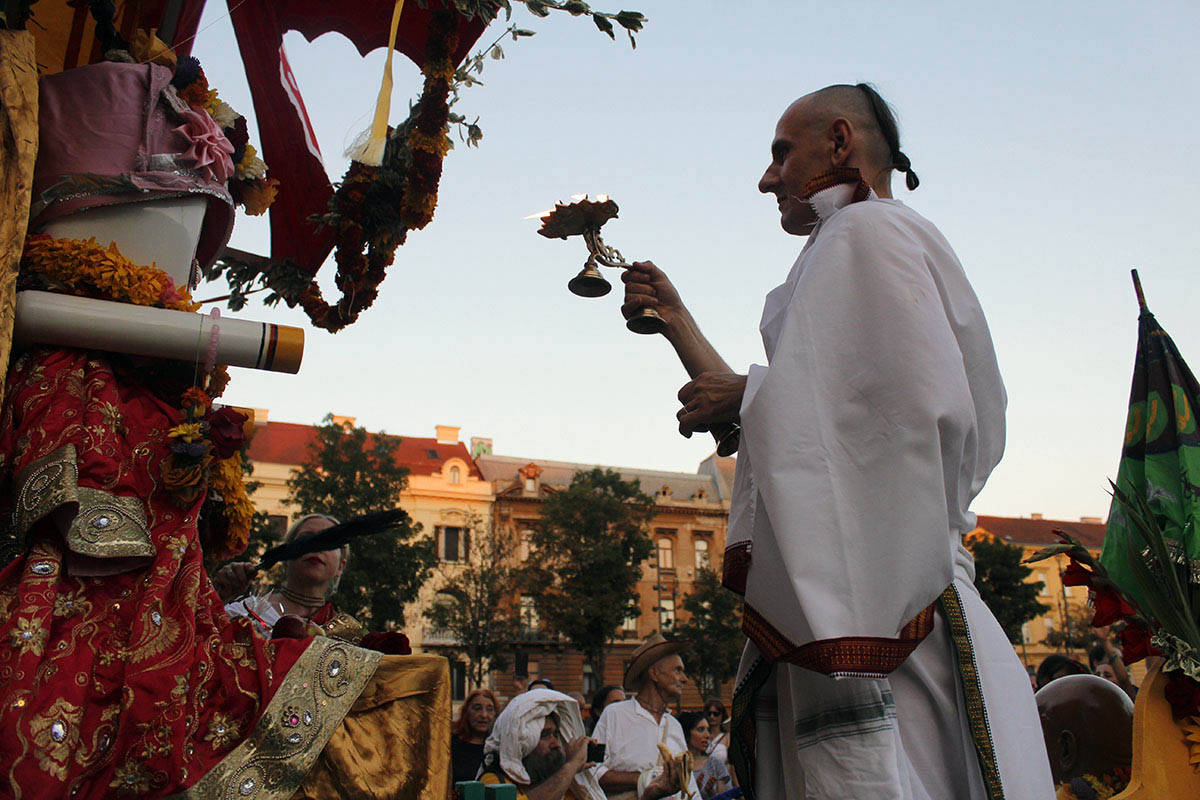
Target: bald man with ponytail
[873, 670]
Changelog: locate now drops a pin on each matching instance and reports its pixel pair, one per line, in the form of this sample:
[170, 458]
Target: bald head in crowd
[1087, 723]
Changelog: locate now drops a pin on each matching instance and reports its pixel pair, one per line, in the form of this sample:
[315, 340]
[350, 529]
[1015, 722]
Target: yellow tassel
[369, 145]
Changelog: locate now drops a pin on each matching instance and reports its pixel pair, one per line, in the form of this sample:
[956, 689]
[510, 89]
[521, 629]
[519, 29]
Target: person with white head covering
[538, 744]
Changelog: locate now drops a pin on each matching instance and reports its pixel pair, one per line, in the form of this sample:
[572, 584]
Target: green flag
[1159, 474]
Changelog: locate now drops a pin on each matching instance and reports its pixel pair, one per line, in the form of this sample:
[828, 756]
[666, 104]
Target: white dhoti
[874, 671]
[925, 732]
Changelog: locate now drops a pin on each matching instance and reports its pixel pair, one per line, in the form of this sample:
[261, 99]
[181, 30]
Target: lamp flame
[540, 214]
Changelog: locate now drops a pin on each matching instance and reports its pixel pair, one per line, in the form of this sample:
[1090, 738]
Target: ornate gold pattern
[289, 736]
[45, 486]
[104, 525]
[108, 526]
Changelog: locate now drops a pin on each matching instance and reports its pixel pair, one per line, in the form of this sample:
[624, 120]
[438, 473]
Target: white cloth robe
[878, 420]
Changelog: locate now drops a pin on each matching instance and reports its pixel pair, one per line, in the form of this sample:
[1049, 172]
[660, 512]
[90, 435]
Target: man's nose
[768, 181]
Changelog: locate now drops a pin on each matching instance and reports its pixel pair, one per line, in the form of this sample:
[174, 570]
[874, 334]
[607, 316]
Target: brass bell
[646, 321]
[589, 282]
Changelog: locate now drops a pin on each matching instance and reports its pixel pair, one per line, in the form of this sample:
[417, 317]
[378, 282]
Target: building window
[666, 553]
[455, 476]
[1045, 590]
[530, 623]
[1025, 637]
[701, 546]
[458, 681]
[666, 613]
[454, 543]
[531, 485]
[630, 625]
[527, 547]
[590, 683]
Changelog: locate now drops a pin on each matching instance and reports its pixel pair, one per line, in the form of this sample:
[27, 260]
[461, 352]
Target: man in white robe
[874, 671]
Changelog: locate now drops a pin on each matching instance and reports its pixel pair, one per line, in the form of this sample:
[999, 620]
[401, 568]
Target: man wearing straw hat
[632, 730]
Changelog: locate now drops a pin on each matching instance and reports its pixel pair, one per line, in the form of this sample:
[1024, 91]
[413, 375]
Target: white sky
[1054, 143]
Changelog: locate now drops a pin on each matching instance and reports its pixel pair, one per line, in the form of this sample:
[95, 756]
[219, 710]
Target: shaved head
[820, 109]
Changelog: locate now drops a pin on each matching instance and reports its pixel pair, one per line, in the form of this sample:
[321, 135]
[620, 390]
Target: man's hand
[577, 753]
[232, 580]
[713, 398]
[670, 781]
[646, 286]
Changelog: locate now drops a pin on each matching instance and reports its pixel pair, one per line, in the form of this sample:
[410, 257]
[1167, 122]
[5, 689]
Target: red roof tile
[288, 443]
[1038, 532]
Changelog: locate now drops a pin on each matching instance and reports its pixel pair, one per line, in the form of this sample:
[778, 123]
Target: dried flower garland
[363, 211]
[1094, 787]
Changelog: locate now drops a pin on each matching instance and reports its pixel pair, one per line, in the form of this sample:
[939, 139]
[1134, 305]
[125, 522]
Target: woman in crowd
[305, 591]
[712, 777]
[600, 698]
[470, 731]
[714, 712]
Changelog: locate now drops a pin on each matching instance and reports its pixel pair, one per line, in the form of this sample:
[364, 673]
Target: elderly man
[537, 743]
[874, 670]
[633, 729]
[1087, 723]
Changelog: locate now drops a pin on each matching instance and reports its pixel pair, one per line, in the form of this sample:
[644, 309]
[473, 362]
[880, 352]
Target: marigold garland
[86, 268]
[226, 480]
[374, 208]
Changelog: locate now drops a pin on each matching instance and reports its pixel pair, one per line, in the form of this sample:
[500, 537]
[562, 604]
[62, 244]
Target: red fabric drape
[130, 684]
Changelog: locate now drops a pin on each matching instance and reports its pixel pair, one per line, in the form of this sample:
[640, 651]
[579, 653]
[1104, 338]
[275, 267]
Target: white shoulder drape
[877, 421]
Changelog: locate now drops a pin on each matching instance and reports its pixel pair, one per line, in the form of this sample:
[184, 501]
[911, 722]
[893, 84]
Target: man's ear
[1068, 751]
[841, 138]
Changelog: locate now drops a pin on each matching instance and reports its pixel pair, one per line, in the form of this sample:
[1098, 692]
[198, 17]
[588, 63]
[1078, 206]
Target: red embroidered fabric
[130, 684]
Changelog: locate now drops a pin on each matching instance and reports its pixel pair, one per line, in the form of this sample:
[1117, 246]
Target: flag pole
[1137, 287]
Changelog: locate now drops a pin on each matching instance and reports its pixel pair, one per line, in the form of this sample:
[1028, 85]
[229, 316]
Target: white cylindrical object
[160, 232]
[68, 321]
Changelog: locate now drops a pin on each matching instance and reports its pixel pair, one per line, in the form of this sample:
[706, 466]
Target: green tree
[1075, 632]
[714, 630]
[474, 604]
[590, 544]
[348, 472]
[1000, 578]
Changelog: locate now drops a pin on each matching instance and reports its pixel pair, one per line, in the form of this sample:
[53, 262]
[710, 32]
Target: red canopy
[288, 144]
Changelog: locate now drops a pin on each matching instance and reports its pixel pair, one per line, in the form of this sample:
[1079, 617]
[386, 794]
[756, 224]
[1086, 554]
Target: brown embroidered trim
[960, 636]
[836, 177]
[735, 568]
[845, 656]
[294, 728]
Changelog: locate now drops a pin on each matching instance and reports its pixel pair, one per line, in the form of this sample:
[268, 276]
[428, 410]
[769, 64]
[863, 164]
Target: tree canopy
[714, 630]
[474, 604]
[348, 472]
[588, 551]
[1000, 578]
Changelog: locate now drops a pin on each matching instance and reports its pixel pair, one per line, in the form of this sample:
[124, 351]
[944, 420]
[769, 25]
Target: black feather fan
[335, 537]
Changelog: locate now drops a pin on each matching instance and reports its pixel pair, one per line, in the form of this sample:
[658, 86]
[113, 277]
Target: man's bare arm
[618, 781]
[647, 286]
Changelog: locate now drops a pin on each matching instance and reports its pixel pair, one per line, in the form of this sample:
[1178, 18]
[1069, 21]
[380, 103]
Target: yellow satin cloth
[395, 742]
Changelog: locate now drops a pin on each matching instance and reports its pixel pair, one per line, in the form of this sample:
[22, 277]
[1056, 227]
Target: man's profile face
[669, 677]
[797, 156]
[547, 758]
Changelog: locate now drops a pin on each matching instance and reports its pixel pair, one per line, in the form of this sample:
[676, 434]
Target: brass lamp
[585, 217]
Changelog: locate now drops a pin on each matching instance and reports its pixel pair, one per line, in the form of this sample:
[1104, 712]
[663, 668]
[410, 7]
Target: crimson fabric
[136, 683]
[288, 143]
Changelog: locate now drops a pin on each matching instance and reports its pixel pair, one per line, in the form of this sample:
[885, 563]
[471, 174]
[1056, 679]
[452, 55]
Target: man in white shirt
[632, 729]
[874, 670]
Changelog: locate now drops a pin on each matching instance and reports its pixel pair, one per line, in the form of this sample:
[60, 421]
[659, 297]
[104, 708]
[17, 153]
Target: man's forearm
[618, 781]
[695, 352]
